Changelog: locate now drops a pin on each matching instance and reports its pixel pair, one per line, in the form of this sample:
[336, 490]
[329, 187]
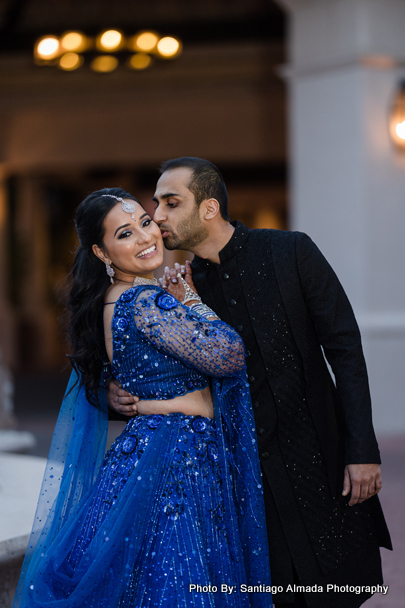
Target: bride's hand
[173, 285]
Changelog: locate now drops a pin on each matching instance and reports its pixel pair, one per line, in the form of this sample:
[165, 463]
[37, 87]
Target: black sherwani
[284, 299]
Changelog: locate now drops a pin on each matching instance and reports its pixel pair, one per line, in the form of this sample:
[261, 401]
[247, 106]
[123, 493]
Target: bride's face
[133, 246]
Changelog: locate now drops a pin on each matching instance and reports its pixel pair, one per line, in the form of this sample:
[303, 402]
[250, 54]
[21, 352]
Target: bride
[172, 515]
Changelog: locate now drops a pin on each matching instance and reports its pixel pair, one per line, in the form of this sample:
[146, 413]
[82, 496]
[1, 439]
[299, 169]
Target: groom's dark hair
[206, 181]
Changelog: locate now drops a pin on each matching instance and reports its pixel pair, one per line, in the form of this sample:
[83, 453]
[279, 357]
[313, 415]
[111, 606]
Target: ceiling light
[168, 46]
[104, 63]
[47, 47]
[74, 41]
[139, 61]
[110, 40]
[145, 41]
[70, 61]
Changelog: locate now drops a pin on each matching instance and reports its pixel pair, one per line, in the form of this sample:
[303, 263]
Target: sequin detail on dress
[163, 349]
[177, 500]
[187, 518]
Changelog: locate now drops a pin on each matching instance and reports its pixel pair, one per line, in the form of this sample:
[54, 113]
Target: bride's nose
[143, 236]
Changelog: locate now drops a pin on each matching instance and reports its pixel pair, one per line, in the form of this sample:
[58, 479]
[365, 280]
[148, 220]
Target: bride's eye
[124, 234]
[146, 222]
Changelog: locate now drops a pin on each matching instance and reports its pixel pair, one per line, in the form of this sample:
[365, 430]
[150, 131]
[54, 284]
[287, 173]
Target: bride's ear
[99, 253]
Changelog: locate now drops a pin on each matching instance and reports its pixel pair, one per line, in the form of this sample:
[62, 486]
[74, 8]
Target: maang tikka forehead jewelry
[127, 207]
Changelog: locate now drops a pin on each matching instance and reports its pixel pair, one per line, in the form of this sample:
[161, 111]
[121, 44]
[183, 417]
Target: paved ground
[21, 479]
[37, 403]
[393, 501]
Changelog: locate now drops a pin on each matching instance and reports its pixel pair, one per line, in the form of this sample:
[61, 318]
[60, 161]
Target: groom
[317, 447]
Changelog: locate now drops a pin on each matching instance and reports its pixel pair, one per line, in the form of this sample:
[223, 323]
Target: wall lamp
[106, 51]
[397, 117]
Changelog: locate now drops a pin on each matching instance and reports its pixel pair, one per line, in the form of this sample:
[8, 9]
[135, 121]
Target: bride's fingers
[166, 276]
[173, 275]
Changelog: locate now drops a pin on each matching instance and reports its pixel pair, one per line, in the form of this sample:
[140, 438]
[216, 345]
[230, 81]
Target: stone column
[346, 58]
[37, 331]
[7, 330]
[10, 439]
[7, 338]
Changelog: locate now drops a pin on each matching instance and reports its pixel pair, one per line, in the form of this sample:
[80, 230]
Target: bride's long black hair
[89, 284]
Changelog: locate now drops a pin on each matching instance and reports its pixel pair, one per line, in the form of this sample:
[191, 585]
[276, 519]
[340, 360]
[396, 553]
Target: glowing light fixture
[137, 52]
[145, 41]
[110, 40]
[47, 47]
[168, 47]
[74, 41]
[397, 118]
[139, 61]
[70, 61]
[104, 64]
[400, 130]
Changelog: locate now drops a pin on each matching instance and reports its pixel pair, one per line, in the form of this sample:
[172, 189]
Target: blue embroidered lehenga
[176, 501]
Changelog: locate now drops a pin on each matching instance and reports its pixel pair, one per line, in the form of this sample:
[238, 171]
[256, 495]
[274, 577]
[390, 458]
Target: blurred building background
[292, 99]
[66, 133]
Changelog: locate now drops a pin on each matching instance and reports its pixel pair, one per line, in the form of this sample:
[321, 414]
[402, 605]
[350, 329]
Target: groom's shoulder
[286, 247]
[274, 237]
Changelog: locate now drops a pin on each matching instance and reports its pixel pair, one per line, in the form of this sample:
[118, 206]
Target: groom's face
[177, 213]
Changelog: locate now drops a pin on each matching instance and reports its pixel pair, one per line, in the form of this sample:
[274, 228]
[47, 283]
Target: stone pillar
[7, 330]
[7, 338]
[7, 419]
[37, 322]
[10, 439]
[346, 58]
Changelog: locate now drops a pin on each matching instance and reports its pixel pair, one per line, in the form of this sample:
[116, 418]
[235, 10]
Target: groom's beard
[190, 233]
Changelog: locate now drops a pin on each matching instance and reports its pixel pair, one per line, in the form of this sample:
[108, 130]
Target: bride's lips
[148, 252]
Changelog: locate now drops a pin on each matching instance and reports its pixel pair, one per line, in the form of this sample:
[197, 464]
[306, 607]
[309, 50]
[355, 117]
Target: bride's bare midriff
[198, 403]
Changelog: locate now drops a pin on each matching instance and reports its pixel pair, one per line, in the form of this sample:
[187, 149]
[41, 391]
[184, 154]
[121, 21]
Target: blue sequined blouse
[162, 349]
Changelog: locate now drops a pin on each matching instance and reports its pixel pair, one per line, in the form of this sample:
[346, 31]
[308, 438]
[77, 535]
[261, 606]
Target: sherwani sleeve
[339, 336]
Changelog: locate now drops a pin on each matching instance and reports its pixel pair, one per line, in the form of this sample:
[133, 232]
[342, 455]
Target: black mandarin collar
[233, 246]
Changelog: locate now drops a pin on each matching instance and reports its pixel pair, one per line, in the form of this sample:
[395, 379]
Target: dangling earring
[109, 270]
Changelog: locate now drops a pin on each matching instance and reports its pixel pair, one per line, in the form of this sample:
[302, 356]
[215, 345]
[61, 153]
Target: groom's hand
[363, 481]
[120, 400]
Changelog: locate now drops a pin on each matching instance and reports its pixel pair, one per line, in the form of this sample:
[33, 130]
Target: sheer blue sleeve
[212, 347]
